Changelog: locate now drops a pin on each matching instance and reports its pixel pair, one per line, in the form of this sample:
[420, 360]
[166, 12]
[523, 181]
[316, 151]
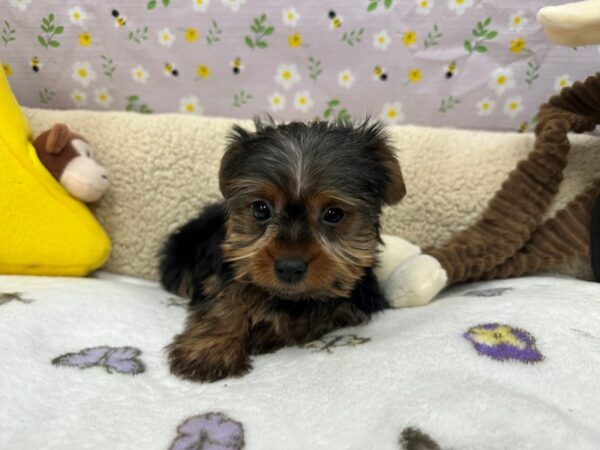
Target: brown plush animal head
[67, 157]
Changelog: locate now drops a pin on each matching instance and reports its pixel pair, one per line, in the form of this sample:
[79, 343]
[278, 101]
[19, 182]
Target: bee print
[335, 21]
[450, 70]
[522, 128]
[36, 64]
[237, 66]
[379, 73]
[120, 20]
[170, 70]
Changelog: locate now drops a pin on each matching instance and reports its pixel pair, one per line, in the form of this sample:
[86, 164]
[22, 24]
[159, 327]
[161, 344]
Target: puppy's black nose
[290, 270]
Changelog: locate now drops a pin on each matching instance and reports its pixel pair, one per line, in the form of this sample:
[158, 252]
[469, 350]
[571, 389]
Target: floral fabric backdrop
[463, 63]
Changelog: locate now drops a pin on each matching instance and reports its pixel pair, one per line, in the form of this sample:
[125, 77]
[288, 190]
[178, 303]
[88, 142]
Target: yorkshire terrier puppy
[288, 255]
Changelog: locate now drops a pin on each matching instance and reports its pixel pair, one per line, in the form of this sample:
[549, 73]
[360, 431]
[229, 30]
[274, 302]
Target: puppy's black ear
[378, 142]
[238, 139]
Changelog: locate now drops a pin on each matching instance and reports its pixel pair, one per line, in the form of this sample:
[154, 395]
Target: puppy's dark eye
[333, 216]
[261, 211]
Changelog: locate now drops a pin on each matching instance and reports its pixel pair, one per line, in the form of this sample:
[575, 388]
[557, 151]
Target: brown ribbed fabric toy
[510, 238]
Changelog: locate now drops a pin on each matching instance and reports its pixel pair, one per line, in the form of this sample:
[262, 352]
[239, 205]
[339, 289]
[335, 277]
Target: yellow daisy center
[286, 75]
[563, 83]
[513, 105]
[424, 4]
[189, 107]
[501, 79]
[82, 73]
[276, 100]
[199, 2]
[302, 100]
[381, 39]
[485, 106]
[459, 2]
[414, 75]
[392, 113]
[290, 16]
[517, 20]
[102, 97]
[76, 15]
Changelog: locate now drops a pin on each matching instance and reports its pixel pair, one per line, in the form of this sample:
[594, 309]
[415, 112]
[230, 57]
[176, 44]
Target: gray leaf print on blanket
[113, 359]
[325, 344]
[7, 297]
[492, 292]
[210, 431]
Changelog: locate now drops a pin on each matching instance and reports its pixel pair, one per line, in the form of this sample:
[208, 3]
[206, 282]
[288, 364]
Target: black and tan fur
[230, 264]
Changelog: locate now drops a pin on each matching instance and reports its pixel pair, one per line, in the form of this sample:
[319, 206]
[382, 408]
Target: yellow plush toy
[43, 230]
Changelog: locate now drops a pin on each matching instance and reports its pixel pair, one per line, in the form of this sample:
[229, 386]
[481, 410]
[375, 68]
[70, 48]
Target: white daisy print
[139, 74]
[381, 40]
[392, 113]
[513, 106]
[189, 105]
[345, 78]
[517, 21]
[562, 81]
[21, 4]
[83, 73]
[290, 17]
[103, 97]
[234, 5]
[276, 101]
[287, 75]
[502, 80]
[303, 101]
[78, 97]
[459, 6]
[485, 106]
[200, 5]
[424, 6]
[77, 15]
[166, 38]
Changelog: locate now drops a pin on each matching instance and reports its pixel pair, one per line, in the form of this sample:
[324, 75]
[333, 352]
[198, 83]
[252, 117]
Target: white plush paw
[415, 282]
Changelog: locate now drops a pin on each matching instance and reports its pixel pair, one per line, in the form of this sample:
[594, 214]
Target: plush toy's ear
[58, 138]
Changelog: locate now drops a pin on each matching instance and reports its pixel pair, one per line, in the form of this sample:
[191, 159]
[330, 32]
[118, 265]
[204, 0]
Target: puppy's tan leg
[213, 343]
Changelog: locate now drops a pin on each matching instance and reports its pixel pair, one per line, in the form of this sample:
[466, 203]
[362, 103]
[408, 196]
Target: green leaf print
[108, 66]
[151, 4]
[314, 68]
[333, 115]
[260, 30]
[241, 99]
[134, 107]
[433, 37]
[532, 72]
[374, 4]
[353, 37]
[138, 35]
[51, 31]
[480, 35]
[214, 33]
[448, 103]
[46, 96]
[8, 33]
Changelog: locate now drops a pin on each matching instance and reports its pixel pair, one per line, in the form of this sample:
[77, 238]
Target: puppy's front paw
[415, 282]
[207, 359]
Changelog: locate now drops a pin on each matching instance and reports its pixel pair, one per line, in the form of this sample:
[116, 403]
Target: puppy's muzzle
[290, 270]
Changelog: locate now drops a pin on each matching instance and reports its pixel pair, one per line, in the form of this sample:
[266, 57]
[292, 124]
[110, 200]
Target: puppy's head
[304, 201]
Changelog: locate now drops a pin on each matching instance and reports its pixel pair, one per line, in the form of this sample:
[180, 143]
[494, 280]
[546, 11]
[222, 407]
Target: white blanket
[512, 364]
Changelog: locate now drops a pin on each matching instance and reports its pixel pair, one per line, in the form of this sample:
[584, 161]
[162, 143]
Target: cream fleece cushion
[164, 168]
